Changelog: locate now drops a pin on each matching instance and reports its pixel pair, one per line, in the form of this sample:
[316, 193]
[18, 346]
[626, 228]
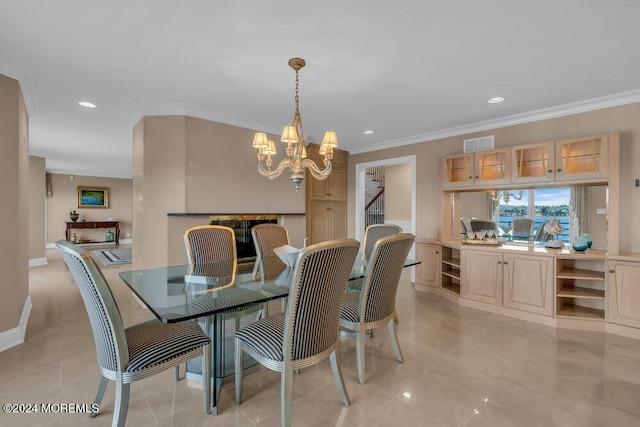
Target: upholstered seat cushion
[153, 342]
[231, 297]
[350, 310]
[265, 336]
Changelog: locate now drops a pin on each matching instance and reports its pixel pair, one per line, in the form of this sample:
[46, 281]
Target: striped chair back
[108, 329]
[210, 243]
[375, 232]
[378, 296]
[317, 290]
[267, 237]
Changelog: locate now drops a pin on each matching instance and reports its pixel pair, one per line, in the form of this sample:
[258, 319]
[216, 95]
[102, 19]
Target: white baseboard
[34, 262]
[15, 336]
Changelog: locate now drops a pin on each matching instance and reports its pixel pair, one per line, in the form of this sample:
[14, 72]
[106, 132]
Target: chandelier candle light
[296, 150]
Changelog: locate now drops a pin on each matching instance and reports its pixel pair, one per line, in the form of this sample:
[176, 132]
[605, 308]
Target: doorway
[408, 224]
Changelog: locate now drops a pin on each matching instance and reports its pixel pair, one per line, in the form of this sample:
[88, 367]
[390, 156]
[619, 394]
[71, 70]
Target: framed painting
[93, 197]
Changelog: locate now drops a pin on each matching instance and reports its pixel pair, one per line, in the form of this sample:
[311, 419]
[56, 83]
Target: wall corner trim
[15, 336]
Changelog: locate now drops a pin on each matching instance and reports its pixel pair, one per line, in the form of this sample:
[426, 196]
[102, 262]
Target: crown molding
[516, 119]
[26, 86]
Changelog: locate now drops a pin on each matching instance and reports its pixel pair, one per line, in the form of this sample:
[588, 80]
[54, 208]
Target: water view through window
[539, 205]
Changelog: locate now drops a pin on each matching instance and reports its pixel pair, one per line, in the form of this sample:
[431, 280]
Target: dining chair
[267, 237]
[372, 234]
[522, 228]
[126, 355]
[307, 332]
[217, 244]
[465, 227]
[375, 305]
[483, 224]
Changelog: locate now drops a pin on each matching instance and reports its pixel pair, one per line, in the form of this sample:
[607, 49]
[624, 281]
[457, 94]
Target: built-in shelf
[455, 274]
[579, 312]
[452, 287]
[579, 292]
[450, 269]
[579, 273]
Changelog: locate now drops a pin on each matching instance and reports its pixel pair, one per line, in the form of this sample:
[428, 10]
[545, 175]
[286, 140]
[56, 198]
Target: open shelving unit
[580, 285]
[450, 269]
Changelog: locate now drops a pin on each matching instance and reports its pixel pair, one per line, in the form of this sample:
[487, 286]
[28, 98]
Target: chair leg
[394, 340]
[206, 377]
[360, 340]
[337, 375]
[238, 373]
[176, 372]
[100, 394]
[237, 323]
[286, 395]
[121, 404]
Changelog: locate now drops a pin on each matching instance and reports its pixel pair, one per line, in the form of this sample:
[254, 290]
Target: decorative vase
[74, 216]
[74, 238]
[587, 238]
[109, 236]
[580, 244]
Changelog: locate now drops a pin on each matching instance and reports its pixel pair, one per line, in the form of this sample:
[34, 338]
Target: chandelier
[296, 150]
[506, 195]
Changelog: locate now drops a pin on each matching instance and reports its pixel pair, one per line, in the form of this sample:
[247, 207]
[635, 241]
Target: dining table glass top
[183, 292]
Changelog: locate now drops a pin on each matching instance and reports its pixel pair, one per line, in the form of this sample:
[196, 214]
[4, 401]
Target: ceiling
[410, 70]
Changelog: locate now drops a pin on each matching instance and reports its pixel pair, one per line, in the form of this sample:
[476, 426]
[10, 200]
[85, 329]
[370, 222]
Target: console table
[93, 224]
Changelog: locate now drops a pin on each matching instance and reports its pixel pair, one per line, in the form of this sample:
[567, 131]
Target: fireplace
[242, 225]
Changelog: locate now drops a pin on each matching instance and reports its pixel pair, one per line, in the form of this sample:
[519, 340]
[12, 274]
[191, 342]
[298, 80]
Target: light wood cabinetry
[481, 276]
[326, 207]
[481, 169]
[428, 271]
[450, 269]
[623, 293]
[528, 283]
[580, 288]
[326, 221]
[582, 159]
[518, 281]
[533, 163]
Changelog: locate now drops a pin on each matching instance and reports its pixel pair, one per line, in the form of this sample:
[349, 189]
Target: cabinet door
[326, 221]
[584, 158]
[482, 276]
[533, 163]
[457, 171]
[334, 187]
[492, 167]
[623, 293]
[427, 272]
[528, 283]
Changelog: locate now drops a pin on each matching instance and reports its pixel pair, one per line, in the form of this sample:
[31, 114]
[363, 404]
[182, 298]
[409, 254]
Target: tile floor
[462, 368]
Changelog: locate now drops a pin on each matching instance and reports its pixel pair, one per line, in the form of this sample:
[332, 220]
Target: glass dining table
[213, 294]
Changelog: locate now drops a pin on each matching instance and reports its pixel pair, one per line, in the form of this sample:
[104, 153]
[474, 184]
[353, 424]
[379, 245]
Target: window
[539, 205]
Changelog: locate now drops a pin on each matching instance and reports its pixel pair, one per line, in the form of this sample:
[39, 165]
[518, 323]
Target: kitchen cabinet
[326, 207]
[528, 283]
[623, 293]
[518, 281]
[480, 169]
[326, 221]
[582, 159]
[533, 163]
[428, 271]
[481, 276]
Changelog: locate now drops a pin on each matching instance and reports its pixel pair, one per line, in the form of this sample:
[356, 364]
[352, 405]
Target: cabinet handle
[437, 252]
[505, 262]
[559, 170]
[499, 262]
[470, 177]
[550, 171]
[612, 271]
[477, 177]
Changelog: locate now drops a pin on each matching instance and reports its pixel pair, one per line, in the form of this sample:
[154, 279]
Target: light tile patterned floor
[462, 368]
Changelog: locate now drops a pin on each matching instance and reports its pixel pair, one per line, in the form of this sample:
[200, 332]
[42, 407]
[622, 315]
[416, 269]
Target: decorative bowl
[287, 254]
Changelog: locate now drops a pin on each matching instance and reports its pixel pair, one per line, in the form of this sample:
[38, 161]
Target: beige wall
[14, 175]
[37, 212]
[623, 119]
[188, 165]
[397, 193]
[65, 199]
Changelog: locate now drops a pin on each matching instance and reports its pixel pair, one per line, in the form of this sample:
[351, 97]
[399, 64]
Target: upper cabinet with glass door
[533, 163]
[583, 159]
[477, 170]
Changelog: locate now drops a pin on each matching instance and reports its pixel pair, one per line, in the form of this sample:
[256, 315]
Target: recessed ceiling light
[495, 100]
[87, 104]
[368, 132]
